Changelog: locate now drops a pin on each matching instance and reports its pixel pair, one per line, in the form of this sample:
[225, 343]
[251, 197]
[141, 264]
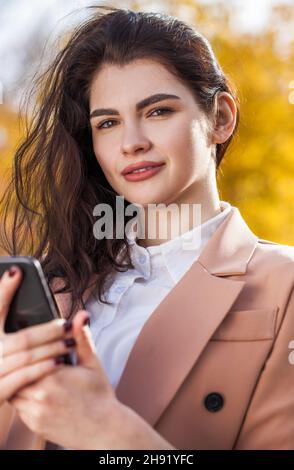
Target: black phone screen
[33, 302]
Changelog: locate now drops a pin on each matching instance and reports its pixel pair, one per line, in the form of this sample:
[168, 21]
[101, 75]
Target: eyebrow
[139, 106]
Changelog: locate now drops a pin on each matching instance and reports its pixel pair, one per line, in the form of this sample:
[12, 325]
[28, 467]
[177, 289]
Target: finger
[21, 404]
[9, 282]
[85, 348]
[33, 336]
[26, 409]
[30, 392]
[33, 355]
[37, 390]
[25, 376]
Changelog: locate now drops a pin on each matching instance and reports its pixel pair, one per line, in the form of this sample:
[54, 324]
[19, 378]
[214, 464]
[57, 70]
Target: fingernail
[70, 342]
[59, 360]
[67, 325]
[12, 271]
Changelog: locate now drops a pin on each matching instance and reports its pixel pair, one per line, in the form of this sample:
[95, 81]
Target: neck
[160, 223]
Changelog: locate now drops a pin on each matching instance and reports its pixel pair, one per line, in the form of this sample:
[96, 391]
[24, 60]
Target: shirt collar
[178, 253]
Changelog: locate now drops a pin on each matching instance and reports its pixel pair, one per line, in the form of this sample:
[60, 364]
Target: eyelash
[166, 110]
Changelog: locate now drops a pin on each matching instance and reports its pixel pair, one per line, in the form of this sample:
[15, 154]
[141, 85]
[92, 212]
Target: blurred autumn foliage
[257, 174]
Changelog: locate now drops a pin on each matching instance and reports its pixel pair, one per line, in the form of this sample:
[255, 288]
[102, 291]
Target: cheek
[190, 154]
[194, 143]
[182, 146]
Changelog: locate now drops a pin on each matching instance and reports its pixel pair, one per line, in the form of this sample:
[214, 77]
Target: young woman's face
[176, 137]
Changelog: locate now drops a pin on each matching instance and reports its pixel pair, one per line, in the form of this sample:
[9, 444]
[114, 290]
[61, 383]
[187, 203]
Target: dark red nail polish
[12, 271]
[59, 360]
[70, 342]
[86, 321]
[67, 326]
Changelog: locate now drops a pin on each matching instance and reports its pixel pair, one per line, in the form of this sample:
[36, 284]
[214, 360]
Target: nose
[134, 142]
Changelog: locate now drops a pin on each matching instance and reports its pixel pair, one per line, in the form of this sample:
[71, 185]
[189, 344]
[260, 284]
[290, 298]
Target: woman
[191, 329]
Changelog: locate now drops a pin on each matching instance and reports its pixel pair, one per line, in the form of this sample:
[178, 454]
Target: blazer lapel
[172, 340]
[176, 333]
[174, 336]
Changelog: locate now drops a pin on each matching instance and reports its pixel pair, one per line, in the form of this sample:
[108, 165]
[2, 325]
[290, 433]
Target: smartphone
[33, 303]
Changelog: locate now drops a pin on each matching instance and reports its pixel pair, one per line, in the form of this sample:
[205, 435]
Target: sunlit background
[254, 42]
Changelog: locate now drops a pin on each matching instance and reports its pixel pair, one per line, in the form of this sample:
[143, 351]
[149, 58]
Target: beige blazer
[211, 368]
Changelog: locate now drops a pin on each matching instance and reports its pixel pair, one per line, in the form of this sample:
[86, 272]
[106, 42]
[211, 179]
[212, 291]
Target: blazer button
[214, 402]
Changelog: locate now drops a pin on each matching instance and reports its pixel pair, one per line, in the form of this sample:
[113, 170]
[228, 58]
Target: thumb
[9, 282]
[85, 347]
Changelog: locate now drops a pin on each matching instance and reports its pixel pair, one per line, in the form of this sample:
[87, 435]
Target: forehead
[134, 80]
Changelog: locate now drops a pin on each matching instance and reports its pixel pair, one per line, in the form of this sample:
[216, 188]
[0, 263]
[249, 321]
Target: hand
[75, 407]
[29, 354]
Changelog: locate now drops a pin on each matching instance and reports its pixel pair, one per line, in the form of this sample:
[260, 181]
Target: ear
[225, 115]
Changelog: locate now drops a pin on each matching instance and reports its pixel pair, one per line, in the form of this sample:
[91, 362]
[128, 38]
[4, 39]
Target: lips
[143, 174]
[139, 166]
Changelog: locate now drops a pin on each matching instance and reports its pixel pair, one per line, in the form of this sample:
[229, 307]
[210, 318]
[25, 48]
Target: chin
[148, 199]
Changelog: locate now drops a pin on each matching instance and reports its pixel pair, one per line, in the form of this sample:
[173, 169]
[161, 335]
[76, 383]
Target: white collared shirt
[136, 293]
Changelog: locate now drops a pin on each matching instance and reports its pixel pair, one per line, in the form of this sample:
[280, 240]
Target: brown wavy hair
[56, 179]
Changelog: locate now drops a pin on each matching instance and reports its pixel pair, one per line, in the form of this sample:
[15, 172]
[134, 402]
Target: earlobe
[225, 117]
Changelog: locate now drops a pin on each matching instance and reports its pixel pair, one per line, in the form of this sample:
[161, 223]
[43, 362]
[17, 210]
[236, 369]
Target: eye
[163, 111]
[101, 126]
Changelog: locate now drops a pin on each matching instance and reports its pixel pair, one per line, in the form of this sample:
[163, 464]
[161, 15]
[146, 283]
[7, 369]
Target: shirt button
[214, 402]
[142, 259]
